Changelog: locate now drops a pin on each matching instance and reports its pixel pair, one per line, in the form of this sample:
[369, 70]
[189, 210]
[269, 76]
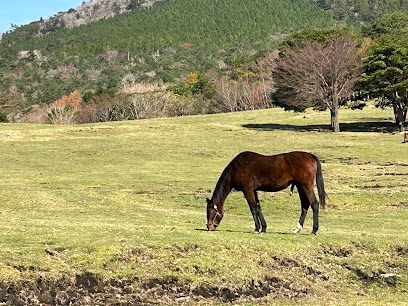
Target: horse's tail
[320, 183]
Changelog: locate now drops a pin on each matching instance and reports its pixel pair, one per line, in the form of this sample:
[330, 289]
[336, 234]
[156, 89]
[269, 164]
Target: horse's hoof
[297, 229]
[313, 233]
[256, 232]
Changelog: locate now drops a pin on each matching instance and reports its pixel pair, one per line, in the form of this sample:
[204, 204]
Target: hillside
[110, 45]
[356, 11]
[114, 213]
[159, 44]
[83, 14]
[361, 11]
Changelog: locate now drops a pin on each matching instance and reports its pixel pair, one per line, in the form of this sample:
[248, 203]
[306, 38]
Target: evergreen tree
[385, 67]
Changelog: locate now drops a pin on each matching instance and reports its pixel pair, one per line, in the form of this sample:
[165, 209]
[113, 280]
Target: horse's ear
[208, 201]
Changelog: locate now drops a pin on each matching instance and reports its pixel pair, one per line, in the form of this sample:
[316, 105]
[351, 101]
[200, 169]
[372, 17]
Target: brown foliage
[64, 110]
[192, 78]
[325, 72]
[74, 99]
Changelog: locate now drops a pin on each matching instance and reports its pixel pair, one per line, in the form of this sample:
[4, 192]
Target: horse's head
[214, 216]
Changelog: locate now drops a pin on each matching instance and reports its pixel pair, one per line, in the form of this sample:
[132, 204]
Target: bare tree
[246, 93]
[265, 67]
[319, 74]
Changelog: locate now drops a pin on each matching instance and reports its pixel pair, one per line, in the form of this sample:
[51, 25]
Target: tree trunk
[402, 116]
[334, 114]
[400, 113]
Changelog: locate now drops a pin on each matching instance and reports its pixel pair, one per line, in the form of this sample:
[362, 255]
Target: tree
[264, 67]
[133, 5]
[320, 74]
[390, 23]
[385, 67]
[386, 74]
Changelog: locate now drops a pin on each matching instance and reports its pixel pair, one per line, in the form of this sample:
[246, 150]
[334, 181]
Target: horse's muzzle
[211, 227]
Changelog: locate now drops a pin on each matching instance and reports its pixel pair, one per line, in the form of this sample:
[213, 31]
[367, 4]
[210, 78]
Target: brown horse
[249, 172]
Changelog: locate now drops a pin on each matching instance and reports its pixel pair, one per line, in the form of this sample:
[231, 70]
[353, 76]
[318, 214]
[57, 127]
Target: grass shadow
[370, 126]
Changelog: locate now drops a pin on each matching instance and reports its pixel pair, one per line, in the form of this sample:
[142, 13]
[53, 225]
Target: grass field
[114, 213]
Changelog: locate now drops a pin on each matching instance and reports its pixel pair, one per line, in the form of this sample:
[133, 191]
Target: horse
[250, 172]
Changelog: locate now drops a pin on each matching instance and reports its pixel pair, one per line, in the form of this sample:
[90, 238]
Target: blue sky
[25, 11]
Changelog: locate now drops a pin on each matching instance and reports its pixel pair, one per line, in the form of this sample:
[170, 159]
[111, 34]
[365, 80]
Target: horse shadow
[246, 232]
[366, 126]
[226, 231]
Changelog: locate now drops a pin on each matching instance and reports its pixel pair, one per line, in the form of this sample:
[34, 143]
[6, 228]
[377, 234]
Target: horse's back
[272, 172]
[249, 158]
[303, 165]
[300, 159]
[295, 158]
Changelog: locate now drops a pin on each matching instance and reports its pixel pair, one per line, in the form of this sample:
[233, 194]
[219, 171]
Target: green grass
[126, 200]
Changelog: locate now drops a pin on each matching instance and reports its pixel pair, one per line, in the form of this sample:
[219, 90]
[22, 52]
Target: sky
[22, 12]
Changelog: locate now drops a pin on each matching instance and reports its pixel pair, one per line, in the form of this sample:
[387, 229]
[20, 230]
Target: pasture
[115, 213]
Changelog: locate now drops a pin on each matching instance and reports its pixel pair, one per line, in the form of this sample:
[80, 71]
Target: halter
[217, 213]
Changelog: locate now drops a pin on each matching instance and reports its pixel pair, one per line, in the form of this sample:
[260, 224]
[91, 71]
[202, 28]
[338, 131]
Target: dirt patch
[375, 186]
[172, 289]
[390, 174]
[387, 164]
[337, 250]
[186, 248]
[316, 273]
[281, 262]
[381, 278]
[82, 289]
[349, 161]
[402, 250]
[140, 255]
[403, 204]
[90, 289]
[286, 261]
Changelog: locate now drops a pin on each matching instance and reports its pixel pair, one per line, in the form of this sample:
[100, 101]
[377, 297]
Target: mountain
[161, 43]
[111, 44]
[83, 14]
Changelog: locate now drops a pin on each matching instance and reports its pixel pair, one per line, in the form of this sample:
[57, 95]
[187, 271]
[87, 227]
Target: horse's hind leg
[304, 206]
[311, 197]
[315, 208]
[308, 198]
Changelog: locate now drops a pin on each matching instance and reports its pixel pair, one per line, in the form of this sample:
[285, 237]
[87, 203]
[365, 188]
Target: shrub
[39, 115]
[138, 106]
[3, 117]
[64, 110]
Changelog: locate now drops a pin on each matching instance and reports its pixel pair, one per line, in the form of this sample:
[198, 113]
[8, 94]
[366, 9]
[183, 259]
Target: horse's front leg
[259, 213]
[250, 197]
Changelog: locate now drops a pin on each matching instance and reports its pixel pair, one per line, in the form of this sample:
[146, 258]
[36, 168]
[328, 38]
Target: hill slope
[199, 22]
[162, 43]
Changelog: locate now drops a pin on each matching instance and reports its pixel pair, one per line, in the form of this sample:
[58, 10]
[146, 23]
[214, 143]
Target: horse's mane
[222, 182]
